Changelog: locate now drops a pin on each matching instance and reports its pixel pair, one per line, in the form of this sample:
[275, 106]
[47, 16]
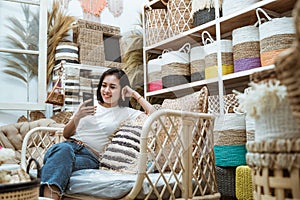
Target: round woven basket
[67, 51]
[197, 63]
[231, 6]
[246, 50]
[275, 35]
[154, 74]
[211, 60]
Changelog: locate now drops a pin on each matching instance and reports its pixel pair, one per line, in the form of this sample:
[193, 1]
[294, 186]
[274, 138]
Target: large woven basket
[246, 50]
[211, 59]
[197, 63]
[275, 35]
[275, 168]
[180, 16]
[175, 69]
[157, 28]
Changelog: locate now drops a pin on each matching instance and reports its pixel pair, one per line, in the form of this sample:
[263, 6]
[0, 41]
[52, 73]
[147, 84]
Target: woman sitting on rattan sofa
[88, 132]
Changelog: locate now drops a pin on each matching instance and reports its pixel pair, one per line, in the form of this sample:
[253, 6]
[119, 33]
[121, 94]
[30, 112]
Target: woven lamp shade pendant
[115, 7]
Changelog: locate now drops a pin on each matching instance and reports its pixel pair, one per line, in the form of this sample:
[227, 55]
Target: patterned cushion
[122, 153]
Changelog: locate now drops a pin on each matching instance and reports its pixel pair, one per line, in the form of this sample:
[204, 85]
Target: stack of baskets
[275, 35]
[175, 68]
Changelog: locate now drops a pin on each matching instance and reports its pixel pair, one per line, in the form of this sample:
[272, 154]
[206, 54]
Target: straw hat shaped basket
[246, 50]
[275, 35]
[197, 63]
[211, 60]
[176, 67]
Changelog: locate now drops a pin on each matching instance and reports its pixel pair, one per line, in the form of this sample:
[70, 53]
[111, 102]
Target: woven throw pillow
[122, 153]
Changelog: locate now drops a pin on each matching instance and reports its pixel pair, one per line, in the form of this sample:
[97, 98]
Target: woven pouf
[197, 63]
[243, 183]
[230, 139]
[226, 182]
[275, 35]
[67, 51]
[211, 59]
[246, 50]
[275, 165]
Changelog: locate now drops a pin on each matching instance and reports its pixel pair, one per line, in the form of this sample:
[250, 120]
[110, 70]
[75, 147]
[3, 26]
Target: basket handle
[265, 14]
[210, 39]
[185, 48]
[37, 166]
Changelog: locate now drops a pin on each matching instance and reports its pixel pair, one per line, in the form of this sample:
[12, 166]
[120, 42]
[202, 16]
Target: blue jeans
[61, 160]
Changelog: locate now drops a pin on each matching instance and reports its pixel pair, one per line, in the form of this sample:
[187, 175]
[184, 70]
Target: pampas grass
[59, 24]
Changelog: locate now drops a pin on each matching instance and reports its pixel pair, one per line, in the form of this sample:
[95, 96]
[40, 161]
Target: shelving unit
[220, 28]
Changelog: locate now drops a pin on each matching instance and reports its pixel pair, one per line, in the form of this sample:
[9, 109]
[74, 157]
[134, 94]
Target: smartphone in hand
[86, 96]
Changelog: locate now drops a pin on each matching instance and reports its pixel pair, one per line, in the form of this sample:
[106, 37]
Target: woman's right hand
[84, 110]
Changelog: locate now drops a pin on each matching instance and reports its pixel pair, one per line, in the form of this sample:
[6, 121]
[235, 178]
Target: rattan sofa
[175, 160]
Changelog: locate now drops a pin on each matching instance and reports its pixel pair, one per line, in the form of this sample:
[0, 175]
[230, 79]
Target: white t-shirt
[95, 130]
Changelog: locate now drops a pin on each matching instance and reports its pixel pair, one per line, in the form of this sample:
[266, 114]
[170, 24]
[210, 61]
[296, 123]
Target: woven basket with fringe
[226, 182]
[197, 63]
[157, 28]
[275, 168]
[287, 67]
[180, 16]
[246, 50]
[275, 35]
[231, 6]
[211, 59]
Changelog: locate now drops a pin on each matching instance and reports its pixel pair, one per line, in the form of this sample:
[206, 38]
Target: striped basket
[231, 6]
[230, 139]
[275, 35]
[175, 68]
[180, 16]
[211, 60]
[197, 63]
[67, 51]
[243, 181]
[246, 50]
[157, 28]
[154, 74]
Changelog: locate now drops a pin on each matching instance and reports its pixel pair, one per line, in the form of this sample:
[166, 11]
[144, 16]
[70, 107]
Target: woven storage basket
[157, 28]
[203, 16]
[229, 103]
[275, 35]
[243, 183]
[231, 6]
[275, 168]
[211, 60]
[226, 182]
[176, 67]
[90, 38]
[154, 74]
[67, 51]
[246, 50]
[180, 16]
[230, 139]
[197, 63]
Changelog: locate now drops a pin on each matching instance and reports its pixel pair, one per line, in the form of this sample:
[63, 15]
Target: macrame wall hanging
[93, 7]
[115, 7]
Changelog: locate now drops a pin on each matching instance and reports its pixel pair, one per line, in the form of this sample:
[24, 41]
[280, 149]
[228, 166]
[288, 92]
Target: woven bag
[246, 50]
[176, 67]
[197, 63]
[211, 60]
[275, 35]
[154, 74]
[157, 25]
[231, 6]
[180, 16]
[56, 96]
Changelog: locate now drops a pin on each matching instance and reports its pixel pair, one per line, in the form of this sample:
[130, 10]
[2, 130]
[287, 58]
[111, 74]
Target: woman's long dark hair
[122, 76]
